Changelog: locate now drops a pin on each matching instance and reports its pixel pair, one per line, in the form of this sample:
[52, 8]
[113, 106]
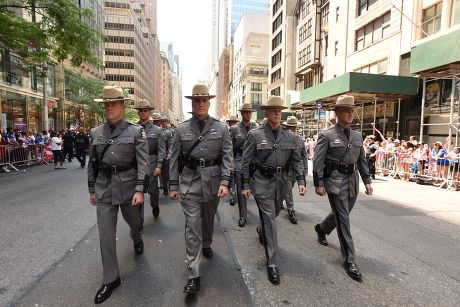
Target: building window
[120, 65]
[431, 20]
[277, 22]
[276, 41]
[276, 75]
[336, 48]
[379, 67]
[326, 44]
[302, 33]
[122, 78]
[337, 14]
[121, 39]
[276, 6]
[276, 58]
[363, 5]
[276, 91]
[308, 53]
[325, 14]
[302, 57]
[117, 5]
[256, 86]
[373, 32]
[309, 28]
[305, 8]
[119, 52]
[119, 26]
[256, 98]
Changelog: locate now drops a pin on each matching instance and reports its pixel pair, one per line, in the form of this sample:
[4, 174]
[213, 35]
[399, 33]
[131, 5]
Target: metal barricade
[20, 155]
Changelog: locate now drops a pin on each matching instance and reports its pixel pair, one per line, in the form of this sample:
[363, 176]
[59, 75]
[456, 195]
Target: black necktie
[112, 128]
[347, 133]
[275, 133]
[247, 128]
[201, 124]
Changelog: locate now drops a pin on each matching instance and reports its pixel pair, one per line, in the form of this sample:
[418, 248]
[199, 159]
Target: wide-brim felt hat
[233, 118]
[345, 101]
[142, 104]
[291, 121]
[156, 116]
[112, 93]
[274, 102]
[165, 118]
[247, 106]
[200, 91]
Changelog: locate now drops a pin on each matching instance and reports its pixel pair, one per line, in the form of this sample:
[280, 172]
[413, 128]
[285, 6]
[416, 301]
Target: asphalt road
[49, 251]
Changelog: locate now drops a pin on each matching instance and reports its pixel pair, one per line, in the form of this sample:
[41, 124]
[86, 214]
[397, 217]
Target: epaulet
[259, 127]
[133, 124]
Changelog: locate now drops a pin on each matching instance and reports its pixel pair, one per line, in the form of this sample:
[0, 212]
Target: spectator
[438, 154]
[371, 152]
[454, 157]
[56, 148]
[81, 145]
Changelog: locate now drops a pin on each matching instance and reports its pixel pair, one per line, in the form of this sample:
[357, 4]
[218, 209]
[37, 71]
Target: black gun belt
[270, 170]
[347, 169]
[194, 163]
[114, 169]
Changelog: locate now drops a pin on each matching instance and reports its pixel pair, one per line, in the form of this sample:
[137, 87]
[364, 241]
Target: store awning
[437, 54]
[361, 85]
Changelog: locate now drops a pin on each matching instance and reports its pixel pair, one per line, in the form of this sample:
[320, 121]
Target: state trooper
[117, 169]
[168, 138]
[339, 155]
[239, 135]
[268, 153]
[156, 153]
[231, 121]
[204, 146]
[292, 124]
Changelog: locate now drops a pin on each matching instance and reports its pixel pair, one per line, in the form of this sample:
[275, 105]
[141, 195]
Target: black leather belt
[194, 163]
[270, 171]
[114, 169]
[347, 169]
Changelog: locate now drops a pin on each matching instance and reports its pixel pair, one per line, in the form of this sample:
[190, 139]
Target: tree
[62, 30]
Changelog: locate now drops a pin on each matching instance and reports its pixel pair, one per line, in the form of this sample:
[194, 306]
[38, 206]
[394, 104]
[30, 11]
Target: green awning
[362, 86]
[436, 53]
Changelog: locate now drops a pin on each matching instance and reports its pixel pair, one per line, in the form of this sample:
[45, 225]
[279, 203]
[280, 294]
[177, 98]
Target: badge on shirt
[337, 142]
[143, 135]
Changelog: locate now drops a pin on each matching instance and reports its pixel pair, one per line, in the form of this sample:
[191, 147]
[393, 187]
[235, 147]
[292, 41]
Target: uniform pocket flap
[123, 141]
[213, 136]
[287, 146]
[263, 146]
[187, 137]
[336, 144]
[358, 143]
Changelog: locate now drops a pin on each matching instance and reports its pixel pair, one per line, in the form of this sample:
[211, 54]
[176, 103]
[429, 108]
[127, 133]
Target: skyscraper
[239, 7]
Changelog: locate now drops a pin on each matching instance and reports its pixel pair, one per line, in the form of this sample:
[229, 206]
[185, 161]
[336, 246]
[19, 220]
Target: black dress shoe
[292, 217]
[232, 202]
[242, 222]
[192, 286]
[353, 271]
[165, 191]
[259, 233]
[156, 211]
[139, 248]
[207, 252]
[106, 290]
[273, 275]
[321, 235]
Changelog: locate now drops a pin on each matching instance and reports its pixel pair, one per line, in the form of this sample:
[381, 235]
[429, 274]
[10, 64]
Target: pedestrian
[117, 169]
[56, 148]
[339, 154]
[156, 153]
[239, 135]
[269, 152]
[370, 154]
[292, 123]
[231, 121]
[81, 146]
[202, 158]
[168, 137]
[68, 141]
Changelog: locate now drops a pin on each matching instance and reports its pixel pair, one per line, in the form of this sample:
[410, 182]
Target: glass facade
[239, 7]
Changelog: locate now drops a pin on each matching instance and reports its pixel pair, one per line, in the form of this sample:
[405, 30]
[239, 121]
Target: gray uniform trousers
[289, 196]
[242, 201]
[341, 206]
[199, 228]
[154, 193]
[268, 211]
[107, 215]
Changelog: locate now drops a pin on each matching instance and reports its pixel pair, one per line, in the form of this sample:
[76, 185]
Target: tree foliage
[60, 28]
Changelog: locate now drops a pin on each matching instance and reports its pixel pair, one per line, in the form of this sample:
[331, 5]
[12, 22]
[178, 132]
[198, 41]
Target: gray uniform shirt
[129, 143]
[168, 138]
[259, 142]
[201, 184]
[239, 135]
[157, 147]
[333, 145]
[300, 145]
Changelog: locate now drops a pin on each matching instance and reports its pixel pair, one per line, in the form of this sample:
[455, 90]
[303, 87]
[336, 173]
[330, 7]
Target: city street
[406, 241]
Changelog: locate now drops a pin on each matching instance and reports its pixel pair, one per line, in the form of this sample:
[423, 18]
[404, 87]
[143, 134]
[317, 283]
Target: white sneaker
[6, 170]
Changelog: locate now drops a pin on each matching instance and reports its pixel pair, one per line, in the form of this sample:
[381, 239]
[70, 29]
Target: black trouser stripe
[339, 231]
[263, 230]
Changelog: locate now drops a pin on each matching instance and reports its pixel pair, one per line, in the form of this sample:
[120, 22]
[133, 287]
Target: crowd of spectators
[45, 146]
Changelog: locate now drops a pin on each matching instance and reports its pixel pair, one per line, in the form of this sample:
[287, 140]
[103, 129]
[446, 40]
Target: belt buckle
[279, 170]
[202, 162]
[113, 169]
